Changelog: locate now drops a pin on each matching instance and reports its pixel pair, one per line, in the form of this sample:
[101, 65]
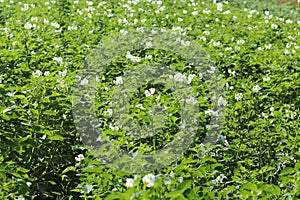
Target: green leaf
[250, 186]
[56, 137]
[68, 169]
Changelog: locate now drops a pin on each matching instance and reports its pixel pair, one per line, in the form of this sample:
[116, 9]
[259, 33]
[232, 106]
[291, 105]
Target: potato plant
[255, 46]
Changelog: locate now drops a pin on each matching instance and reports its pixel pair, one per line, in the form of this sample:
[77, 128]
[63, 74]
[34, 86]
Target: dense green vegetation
[255, 47]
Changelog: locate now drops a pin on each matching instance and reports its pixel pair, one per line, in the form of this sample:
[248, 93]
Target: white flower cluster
[29, 25]
[238, 96]
[79, 158]
[59, 60]
[135, 59]
[62, 73]
[118, 81]
[179, 77]
[39, 73]
[148, 179]
[219, 6]
[256, 88]
[150, 92]
[55, 24]
[72, 28]
[192, 101]
[219, 179]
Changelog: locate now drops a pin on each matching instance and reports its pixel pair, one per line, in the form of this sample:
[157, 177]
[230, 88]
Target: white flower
[123, 32]
[128, 55]
[227, 12]
[46, 21]
[256, 88]
[72, 28]
[191, 101]
[195, 12]
[37, 73]
[185, 43]
[62, 73]
[129, 183]
[274, 26]
[286, 51]
[149, 92]
[219, 6]
[266, 78]
[264, 115]
[79, 158]
[252, 12]
[222, 101]
[62, 83]
[231, 72]
[180, 179]
[180, 19]
[113, 128]
[268, 46]
[118, 81]
[179, 77]
[59, 60]
[55, 24]
[135, 59]
[167, 181]
[228, 48]
[26, 7]
[10, 94]
[148, 56]
[152, 90]
[109, 112]
[240, 42]
[217, 44]
[206, 11]
[140, 106]
[206, 32]
[28, 25]
[148, 44]
[89, 3]
[203, 38]
[220, 178]
[259, 48]
[172, 174]
[238, 96]
[190, 78]
[288, 21]
[46, 73]
[149, 179]
[84, 81]
[211, 113]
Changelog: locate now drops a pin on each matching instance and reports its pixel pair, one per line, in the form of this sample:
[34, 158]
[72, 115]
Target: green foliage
[256, 48]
